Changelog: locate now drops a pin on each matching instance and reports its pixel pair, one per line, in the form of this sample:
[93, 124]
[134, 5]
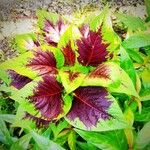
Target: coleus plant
[69, 69]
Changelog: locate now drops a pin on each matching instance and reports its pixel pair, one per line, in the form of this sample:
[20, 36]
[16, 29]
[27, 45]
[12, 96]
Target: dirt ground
[18, 16]
[13, 9]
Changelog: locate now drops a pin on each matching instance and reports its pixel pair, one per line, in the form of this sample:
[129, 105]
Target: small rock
[27, 13]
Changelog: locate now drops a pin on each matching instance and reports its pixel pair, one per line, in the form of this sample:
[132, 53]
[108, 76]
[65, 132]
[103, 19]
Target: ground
[18, 16]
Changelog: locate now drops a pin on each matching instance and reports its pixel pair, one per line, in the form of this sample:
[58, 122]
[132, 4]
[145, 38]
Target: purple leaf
[102, 71]
[47, 97]
[43, 62]
[90, 105]
[39, 122]
[31, 44]
[73, 75]
[54, 31]
[107, 74]
[69, 55]
[18, 81]
[25, 42]
[91, 48]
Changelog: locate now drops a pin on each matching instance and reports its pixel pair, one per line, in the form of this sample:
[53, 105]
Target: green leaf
[109, 35]
[131, 22]
[71, 85]
[127, 64]
[143, 137]
[96, 22]
[7, 89]
[116, 122]
[111, 75]
[144, 116]
[45, 143]
[138, 84]
[126, 86]
[5, 77]
[18, 64]
[147, 50]
[69, 36]
[145, 94]
[72, 140]
[62, 137]
[77, 18]
[19, 120]
[22, 143]
[57, 53]
[128, 131]
[4, 134]
[86, 146]
[137, 41]
[147, 4]
[57, 129]
[135, 55]
[25, 42]
[146, 77]
[113, 140]
[104, 75]
[21, 96]
[7, 117]
[67, 103]
[67, 99]
[45, 15]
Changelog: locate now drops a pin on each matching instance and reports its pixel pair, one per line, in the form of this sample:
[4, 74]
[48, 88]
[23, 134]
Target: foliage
[78, 85]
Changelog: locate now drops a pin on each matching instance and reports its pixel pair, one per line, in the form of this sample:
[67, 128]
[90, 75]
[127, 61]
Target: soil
[18, 16]
[14, 9]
